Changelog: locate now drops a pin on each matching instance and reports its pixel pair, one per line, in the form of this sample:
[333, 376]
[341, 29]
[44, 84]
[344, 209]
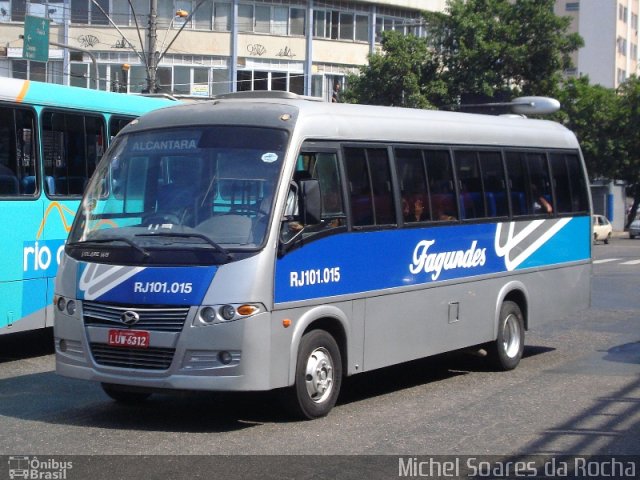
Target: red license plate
[129, 338]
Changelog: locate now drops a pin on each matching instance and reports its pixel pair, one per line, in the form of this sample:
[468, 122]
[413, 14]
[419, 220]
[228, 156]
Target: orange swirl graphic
[61, 211]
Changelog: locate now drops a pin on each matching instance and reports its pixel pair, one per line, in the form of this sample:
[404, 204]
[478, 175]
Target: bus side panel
[25, 262]
[416, 324]
[436, 289]
[557, 293]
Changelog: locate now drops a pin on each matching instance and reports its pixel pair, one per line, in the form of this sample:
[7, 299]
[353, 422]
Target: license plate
[129, 338]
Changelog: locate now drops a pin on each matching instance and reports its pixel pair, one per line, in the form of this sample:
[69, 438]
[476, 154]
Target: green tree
[403, 74]
[591, 112]
[498, 49]
[628, 165]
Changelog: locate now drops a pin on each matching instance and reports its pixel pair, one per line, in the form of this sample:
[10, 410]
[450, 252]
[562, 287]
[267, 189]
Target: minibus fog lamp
[227, 312]
[207, 315]
[225, 357]
[61, 304]
[71, 307]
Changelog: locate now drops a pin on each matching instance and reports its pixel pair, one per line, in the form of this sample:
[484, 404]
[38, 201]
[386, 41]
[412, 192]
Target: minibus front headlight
[71, 307]
[208, 315]
[217, 314]
[227, 312]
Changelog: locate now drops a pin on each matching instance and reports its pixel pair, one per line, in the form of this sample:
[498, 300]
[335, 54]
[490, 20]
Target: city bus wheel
[123, 394]
[318, 375]
[506, 351]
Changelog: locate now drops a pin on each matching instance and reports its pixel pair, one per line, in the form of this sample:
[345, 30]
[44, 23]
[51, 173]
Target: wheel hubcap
[319, 375]
[511, 336]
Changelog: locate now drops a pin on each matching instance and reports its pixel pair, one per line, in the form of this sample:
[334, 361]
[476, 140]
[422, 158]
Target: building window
[362, 28]
[346, 26]
[263, 19]
[297, 21]
[572, 6]
[280, 20]
[222, 17]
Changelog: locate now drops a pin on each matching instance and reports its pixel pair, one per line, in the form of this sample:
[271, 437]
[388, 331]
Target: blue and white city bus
[266, 242]
[51, 139]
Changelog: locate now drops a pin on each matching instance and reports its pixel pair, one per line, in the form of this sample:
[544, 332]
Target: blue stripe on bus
[369, 261]
[144, 285]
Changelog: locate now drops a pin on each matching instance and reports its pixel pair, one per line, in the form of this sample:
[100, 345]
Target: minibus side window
[370, 186]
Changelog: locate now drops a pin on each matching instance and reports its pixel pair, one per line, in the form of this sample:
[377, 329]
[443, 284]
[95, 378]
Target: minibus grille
[152, 358]
[157, 318]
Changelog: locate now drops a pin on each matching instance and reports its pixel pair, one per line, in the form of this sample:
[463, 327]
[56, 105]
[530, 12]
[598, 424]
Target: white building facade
[302, 46]
[610, 32]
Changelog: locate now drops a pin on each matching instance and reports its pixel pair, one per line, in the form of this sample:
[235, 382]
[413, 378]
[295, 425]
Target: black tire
[606, 240]
[506, 351]
[318, 376]
[123, 394]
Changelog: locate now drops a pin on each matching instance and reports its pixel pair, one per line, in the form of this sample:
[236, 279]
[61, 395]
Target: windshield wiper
[201, 236]
[128, 241]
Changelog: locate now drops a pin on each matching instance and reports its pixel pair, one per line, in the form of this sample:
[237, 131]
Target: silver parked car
[634, 228]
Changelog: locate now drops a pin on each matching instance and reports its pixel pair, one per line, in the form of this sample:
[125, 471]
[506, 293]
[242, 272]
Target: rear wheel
[606, 240]
[506, 351]
[122, 394]
[318, 375]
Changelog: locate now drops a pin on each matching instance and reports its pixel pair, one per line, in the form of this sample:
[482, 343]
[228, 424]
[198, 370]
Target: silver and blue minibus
[267, 241]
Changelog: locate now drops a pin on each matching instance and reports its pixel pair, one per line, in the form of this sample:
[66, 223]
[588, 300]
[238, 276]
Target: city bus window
[370, 186]
[323, 167]
[495, 187]
[579, 188]
[517, 179]
[541, 201]
[17, 150]
[472, 203]
[72, 146]
[442, 193]
[118, 123]
[571, 195]
[412, 174]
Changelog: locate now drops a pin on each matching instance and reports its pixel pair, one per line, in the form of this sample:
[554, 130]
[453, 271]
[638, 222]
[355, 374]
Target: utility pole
[152, 67]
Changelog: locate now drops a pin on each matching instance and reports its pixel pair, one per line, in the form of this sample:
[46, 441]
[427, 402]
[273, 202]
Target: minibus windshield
[200, 188]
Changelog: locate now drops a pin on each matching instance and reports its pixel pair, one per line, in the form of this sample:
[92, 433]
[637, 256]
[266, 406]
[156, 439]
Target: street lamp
[154, 57]
[179, 14]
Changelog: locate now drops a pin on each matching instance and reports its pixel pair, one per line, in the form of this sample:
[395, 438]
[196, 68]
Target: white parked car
[602, 229]
[634, 228]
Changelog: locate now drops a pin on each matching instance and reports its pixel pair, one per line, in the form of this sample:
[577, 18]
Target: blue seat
[50, 185]
[28, 185]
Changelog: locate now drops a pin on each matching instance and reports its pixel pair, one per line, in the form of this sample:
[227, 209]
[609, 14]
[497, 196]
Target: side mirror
[311, 201]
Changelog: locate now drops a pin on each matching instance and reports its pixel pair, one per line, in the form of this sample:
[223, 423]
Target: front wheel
[506, 351]
[318, 375]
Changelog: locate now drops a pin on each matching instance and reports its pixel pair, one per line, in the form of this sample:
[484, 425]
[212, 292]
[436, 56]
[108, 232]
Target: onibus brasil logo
[40, 469]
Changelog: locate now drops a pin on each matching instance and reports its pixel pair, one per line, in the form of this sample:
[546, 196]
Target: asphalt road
[576, 392]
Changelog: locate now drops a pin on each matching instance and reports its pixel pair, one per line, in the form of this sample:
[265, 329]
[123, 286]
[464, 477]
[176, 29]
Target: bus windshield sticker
[269, 157]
